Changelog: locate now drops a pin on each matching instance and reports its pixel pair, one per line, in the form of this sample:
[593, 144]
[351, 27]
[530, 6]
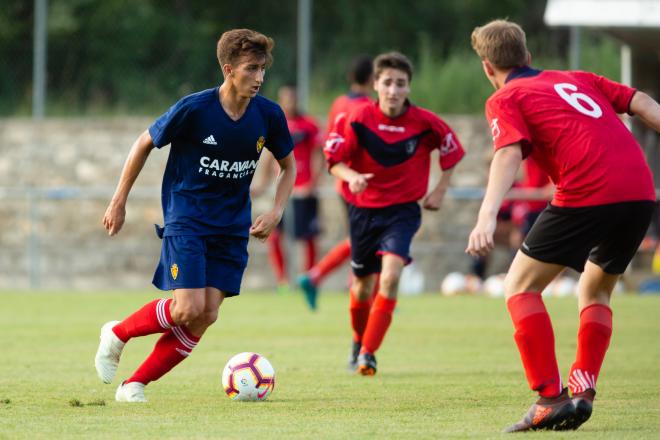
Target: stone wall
[65, 246]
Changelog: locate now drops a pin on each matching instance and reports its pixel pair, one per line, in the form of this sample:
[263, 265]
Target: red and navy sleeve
[451, 150]
[341, 142]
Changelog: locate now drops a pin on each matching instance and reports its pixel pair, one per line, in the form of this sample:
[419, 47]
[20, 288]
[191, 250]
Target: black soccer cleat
[557, 413]
[353, 357]
[366, 364]
[584, 403]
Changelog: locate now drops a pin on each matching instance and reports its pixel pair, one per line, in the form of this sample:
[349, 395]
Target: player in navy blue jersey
[216, 138]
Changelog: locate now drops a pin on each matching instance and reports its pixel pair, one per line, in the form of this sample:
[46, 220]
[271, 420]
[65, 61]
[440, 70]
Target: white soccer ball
[248, 377]
[564, 286]
[494, 285]
[453, 284]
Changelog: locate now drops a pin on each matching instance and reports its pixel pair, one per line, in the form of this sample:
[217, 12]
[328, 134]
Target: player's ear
[488, 68]
[226, 70]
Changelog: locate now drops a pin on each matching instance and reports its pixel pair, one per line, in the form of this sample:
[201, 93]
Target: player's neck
[499, 78]
[232, 103]
[393, 112]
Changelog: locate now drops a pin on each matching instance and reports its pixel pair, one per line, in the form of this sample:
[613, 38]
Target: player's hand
[433, 200]
[264, 225]
[114, 217]
[359, 182]
[481, 240]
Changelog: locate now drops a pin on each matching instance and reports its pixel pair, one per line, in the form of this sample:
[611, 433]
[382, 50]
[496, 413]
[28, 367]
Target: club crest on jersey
[411, 145]
[260, 143]
[174, 270]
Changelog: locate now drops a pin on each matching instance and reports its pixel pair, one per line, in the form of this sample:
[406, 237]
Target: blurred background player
[309, 162]
[601, 209]
[206, 207]
[360, 77]
[382, 154]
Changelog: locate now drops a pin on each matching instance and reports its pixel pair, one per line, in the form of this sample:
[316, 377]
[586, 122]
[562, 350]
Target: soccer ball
[248, 377]
[454, 283]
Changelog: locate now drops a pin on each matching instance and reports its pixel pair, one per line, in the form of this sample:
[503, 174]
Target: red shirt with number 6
[567, 121]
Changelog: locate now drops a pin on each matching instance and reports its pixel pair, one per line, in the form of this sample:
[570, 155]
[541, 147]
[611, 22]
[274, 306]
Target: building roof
[603, 13]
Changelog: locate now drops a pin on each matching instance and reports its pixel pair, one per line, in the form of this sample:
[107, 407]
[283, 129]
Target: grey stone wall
[57, 239]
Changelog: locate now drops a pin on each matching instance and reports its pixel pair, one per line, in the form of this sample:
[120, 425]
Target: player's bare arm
[357, 182]
[503, 170]
[647, 109]
[267, 164]
[264, 224]
[115, 214]
[433, 199]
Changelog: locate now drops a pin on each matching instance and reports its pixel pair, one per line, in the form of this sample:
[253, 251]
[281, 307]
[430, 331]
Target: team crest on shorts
[260, 143]
[174, 270]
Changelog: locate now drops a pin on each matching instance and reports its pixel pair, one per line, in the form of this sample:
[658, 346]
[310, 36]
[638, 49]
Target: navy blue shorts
[195, 262]
[305, 218]
[378, 231]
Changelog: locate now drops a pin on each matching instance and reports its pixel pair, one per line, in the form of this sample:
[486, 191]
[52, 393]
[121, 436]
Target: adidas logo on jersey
[210, 141]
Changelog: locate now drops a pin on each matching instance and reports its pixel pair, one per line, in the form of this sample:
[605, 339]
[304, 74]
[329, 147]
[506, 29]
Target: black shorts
[378, 231]
[607, 235]
[305, 218]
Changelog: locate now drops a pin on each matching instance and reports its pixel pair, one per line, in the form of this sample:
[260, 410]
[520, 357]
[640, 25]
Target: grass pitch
[448, 369]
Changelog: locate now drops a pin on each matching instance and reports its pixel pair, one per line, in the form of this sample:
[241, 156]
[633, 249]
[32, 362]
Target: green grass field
[448, 369]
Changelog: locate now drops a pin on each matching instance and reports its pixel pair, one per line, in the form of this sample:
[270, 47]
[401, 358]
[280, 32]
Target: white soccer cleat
[107, 356]
[130, 392]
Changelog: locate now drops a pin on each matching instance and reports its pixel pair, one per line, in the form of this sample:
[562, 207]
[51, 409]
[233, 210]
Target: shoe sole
[365, 370]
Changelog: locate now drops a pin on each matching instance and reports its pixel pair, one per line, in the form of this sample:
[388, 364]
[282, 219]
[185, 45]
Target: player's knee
[186, 313]
[362, 289]
[389, 282]
[209, 317]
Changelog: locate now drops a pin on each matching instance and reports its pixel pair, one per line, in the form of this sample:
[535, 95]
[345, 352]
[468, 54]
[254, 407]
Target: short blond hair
[238, 42]
[502, 43]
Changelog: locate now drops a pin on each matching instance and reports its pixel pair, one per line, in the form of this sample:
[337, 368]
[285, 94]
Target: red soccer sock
[379, 321]
[173, 347]
[331, 261]
[310, 250]
[276, 256]
[536, 342]
[593, 339]
[359, 316]
[153, 317]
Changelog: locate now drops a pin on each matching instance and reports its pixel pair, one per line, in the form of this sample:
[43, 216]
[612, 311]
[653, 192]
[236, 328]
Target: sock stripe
[161, 313]
[580, 380]
[183, 338]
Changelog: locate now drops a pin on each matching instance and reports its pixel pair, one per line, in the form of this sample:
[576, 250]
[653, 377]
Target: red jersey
[305, 134]
[567, 121]
[339, 109]
[396, 150]
[535, 177]
[342, 106]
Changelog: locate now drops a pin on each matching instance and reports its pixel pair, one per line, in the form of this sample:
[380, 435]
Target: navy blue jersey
[206, 185]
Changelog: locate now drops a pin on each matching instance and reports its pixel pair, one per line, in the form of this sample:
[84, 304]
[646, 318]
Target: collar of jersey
[407, 104]
[522, 72]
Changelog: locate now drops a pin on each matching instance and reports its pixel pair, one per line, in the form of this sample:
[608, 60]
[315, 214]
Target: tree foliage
[139, 56]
